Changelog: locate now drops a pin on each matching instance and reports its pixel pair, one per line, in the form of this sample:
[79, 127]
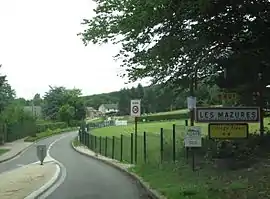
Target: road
[85, 178]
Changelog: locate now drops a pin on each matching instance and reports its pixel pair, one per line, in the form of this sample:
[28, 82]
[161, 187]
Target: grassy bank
[49, 133]
[2, 151]
[177, 180]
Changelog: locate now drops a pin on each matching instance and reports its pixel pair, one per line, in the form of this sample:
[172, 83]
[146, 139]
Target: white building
[108, 108]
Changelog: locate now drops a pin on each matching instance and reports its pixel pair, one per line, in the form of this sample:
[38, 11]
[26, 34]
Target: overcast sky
[39, 46]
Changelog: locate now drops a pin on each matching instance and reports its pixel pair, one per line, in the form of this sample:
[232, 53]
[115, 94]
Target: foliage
[37, 100]
[64, 104]
[156, 98]
[41, 127]
[175, 41]
[49, 133]
[18, 123]
[66, 112]
[7, 94]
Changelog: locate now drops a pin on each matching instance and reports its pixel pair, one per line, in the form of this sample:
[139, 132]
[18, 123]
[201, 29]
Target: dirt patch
[19, 183]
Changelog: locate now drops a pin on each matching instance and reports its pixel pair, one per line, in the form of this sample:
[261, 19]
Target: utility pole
[192, 111]
[261, 103]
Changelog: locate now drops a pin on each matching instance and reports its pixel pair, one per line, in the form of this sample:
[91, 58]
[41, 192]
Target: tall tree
[171, 40]
[58, 97]
[37, 101]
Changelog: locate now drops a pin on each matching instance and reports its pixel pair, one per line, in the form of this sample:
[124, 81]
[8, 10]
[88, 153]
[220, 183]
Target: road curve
[30, 155]
[90, 179]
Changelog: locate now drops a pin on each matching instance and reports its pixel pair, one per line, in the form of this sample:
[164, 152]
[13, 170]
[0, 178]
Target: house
[35, 111]
[108, 108]
[92, 113]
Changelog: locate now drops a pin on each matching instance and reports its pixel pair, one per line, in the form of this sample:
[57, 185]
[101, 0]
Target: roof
[110, 106]
[89, 108]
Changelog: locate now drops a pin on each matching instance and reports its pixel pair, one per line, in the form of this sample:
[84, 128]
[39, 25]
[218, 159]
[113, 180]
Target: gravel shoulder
[19, 183]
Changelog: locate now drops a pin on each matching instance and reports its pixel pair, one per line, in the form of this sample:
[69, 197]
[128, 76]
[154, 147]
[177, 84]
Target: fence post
[121, 148]
[144, 146]
[173, 142]
[95, 148]
[106, 145]
[92, 142]
[186, 148]
[131, 148]
[87, 140]
[113, 139]
[100, 139]
[161, 144]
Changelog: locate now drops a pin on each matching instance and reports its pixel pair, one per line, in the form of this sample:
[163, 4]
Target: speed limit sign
[135, 108]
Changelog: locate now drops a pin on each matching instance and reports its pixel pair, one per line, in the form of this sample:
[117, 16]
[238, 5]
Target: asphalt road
[90, 179]
[86, 178]
[29, 156]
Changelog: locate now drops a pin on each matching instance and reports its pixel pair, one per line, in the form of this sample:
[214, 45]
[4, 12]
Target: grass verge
[76, 142]
[2, 151]
[49, 133]
[177, 180]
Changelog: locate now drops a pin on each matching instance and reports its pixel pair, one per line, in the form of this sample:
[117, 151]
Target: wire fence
[167, 145]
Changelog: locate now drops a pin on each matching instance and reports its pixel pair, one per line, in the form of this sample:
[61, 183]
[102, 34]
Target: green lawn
[154, 127]
[2, 151]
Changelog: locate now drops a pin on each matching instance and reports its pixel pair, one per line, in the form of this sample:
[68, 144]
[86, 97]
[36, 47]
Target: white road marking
[63, 171]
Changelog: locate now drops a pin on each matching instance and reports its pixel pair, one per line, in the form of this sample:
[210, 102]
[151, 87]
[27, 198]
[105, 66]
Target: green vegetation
[2, 151]
[214, 178]
[49, 133]
[154, 127]
[75, 142]
[18, 121]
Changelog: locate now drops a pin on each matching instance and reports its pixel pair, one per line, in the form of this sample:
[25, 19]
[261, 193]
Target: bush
[242, 152]
[152, 118]
[49, 133]
[75, 123]
[41, 127]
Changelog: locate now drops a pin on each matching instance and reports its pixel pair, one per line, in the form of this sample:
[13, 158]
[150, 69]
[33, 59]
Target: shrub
[152, 118]
[75, 123]
[41, 127]
[243, 152]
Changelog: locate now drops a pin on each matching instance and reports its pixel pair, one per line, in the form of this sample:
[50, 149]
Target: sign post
[135, 111]
[41, 153]
[193, 139]
[191, 104]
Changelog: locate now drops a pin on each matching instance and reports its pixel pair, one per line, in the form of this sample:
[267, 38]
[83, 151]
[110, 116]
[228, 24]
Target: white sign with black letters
[135, 108]
[193, 136]
[233, 114]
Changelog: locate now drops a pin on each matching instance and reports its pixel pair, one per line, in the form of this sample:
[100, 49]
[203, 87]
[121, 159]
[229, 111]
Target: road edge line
[26, 148]
[150, 192]
[47, 185]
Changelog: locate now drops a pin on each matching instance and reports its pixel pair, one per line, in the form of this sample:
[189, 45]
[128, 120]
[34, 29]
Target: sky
[39, 47]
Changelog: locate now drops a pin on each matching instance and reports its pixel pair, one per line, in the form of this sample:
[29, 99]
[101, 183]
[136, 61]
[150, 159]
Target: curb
[150, 192]
[26, 148]
[17, 154]
[47, 185]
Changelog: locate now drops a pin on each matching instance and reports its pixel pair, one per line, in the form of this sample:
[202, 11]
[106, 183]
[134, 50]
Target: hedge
[151, 118]
[50, 125]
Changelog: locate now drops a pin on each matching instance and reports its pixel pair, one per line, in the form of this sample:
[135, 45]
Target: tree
[7, 94]
[171, 40]
[61, 103]
[124, 102]
[66, 113]
[37, 101]
[80, 110]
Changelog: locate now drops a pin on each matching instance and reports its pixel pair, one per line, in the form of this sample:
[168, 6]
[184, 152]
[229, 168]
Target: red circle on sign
[135, 109]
